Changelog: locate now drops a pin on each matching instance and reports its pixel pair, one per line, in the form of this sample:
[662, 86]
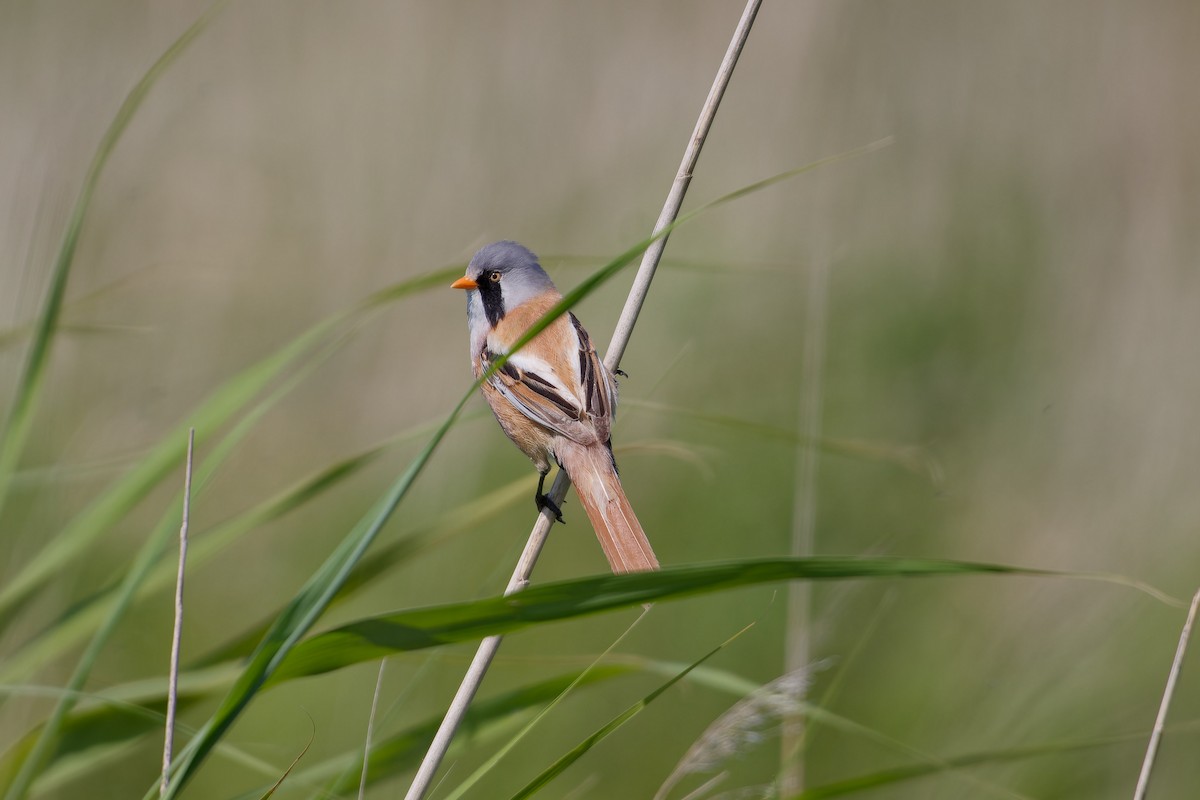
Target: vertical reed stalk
[177, 632]
[616, 349]
[1143, 784]
[804, 516]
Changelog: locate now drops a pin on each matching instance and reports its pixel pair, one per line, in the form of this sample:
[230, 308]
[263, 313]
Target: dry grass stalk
[1143, 784]
[177, 633]
[748, 723]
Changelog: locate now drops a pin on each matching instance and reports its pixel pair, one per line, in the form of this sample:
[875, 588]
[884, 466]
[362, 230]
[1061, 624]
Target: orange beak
[464, 283]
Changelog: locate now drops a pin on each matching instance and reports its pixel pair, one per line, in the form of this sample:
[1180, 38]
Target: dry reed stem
[1143, 784]
[177, 633]
[616, 349]
[797, 646]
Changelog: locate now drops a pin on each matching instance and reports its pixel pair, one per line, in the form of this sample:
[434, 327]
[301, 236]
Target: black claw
[544, 501]
[621, 372]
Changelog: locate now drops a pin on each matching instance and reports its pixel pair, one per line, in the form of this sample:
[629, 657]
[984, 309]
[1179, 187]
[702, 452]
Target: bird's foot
[543, 501]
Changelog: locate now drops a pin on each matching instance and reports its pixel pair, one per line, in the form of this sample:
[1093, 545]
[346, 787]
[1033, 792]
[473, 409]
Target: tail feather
[595, 477]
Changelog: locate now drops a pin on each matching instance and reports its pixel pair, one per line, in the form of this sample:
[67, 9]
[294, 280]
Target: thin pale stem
[362, 780]
[177, 634]
[1143, 784]
[616, 349]
[797, 647]
[679, 187]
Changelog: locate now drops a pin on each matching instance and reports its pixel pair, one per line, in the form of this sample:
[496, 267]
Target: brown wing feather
[599, 387]
[540, 402]
[537, 397]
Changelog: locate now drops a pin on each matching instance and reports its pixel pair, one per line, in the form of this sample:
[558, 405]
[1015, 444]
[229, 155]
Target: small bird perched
[554, 397]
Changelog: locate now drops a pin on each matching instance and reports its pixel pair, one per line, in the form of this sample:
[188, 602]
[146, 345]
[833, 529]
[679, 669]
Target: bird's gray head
[502, 276]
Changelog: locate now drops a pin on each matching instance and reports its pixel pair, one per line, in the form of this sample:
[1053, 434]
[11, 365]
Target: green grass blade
[275, 787]
[33, 372]
[910, 457]
[577, 752]
[375, 637]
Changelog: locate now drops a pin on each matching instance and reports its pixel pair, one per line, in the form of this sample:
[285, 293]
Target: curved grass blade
[577, 752]
[910, 457]
[13, 336]
[33, 373]
[274, 788]
[418, 629]
[61, 474]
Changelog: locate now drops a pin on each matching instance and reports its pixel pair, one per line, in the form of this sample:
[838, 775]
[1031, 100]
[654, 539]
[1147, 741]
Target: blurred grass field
[1013, 297]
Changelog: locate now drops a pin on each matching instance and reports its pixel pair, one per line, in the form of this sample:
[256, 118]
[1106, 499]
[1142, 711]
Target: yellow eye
[494, 277]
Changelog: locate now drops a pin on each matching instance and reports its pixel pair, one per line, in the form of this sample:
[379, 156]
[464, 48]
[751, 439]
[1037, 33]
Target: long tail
[599, 489]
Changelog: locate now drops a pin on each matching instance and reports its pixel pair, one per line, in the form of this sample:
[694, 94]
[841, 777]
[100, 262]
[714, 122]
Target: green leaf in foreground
[417, 629]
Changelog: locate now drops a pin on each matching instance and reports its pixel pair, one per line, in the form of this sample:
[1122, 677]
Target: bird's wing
[578, 406]
[599, 388]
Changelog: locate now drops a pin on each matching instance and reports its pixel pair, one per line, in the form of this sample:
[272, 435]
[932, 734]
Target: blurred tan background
[1012, 291]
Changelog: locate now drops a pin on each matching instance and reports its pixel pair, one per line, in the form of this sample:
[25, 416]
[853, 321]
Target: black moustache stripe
[493, 300]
